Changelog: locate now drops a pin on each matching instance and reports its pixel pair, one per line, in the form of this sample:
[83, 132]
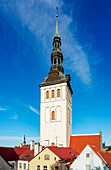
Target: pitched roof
[107, 156]
[24, 153]
[8, 154]
[79, 142]
[104, 155]
[21, 150]
[63, 153]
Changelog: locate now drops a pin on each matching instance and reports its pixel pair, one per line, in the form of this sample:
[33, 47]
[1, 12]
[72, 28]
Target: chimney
[32, 144]
[36, 148]
[101, 141]
[21, 145]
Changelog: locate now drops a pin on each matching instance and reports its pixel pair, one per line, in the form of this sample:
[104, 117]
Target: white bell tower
[56, 100]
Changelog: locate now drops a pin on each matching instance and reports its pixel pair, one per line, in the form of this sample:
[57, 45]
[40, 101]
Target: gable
[40, 157]
[93, 160]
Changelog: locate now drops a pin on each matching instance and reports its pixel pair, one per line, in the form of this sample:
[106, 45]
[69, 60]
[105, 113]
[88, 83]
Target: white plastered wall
[93, 160]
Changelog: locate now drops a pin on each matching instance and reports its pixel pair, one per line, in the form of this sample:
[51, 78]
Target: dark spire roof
[24, 140]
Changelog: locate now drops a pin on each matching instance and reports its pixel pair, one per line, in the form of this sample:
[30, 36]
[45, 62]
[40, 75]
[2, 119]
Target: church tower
[56, 100]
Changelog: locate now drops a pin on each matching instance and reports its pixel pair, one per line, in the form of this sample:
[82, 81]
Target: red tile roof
[79, 142]
[24, 153]
[8, 154]
[21, 150]
[63, 153]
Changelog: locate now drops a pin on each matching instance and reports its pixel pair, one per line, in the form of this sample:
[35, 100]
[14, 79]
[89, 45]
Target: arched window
[53, 115]
[58, 93]
[47, 94]
[53, 94]
[54, 60]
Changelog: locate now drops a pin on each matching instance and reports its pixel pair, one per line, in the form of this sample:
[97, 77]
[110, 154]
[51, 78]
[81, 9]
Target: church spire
[56, 56]
[57, 29]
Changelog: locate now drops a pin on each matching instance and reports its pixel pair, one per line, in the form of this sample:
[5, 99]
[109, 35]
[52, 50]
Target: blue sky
[27, 28]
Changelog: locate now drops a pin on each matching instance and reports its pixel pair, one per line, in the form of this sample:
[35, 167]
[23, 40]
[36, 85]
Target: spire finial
[57, 30]
[57, 11]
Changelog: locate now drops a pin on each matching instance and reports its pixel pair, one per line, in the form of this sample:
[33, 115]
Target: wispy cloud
[1, 109]
[38, 16]
[7, 130]
[17, 138]
[34, 110]
[29, 107]
[15, 117]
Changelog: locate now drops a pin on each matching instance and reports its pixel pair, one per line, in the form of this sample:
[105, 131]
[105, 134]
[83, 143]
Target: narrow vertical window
[47, 94]
[53, 115]
[53, 93]
[58, 93]
[58, 60]
[54, 60]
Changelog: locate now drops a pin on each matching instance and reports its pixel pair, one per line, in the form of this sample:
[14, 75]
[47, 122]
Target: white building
[91, 159]
[56, 101]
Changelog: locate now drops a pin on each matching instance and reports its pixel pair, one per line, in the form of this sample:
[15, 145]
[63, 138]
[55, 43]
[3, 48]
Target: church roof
[79, 142]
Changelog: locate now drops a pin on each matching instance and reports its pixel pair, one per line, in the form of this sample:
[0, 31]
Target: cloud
[15, 117]
[1, 109]
[34, 110]
[39, 18]
[29, 107]
[7, 130]
[17, 138]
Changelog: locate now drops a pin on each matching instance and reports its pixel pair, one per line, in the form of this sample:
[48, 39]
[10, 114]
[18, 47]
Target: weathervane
[57, 11]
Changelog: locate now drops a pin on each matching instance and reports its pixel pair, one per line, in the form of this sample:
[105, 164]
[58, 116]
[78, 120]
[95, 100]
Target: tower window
[47, 94]
[54, 60]
[58, 60]
[53, 93]
[58, 93]
[53, 115]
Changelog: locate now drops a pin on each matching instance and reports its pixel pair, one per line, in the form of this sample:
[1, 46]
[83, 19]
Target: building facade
[56, 100]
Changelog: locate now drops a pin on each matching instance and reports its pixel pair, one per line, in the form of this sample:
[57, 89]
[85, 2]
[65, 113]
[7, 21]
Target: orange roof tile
[79, 142]
[107, 156]
[104, 155]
